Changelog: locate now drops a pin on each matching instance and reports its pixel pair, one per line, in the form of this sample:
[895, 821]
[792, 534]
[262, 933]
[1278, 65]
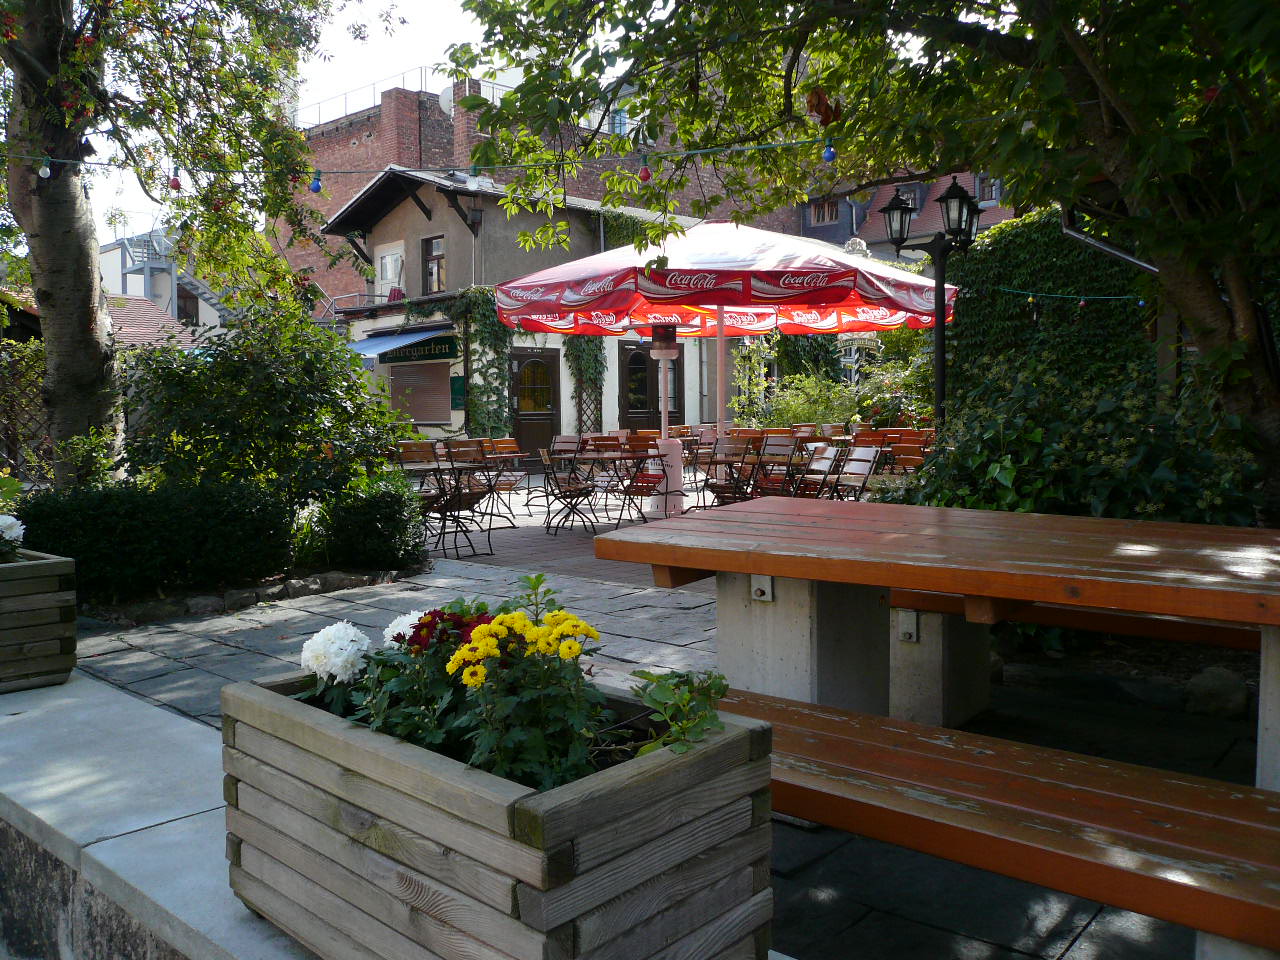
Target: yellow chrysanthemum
[547, 644]
[556, 617]
[569, 649]
[474, 675]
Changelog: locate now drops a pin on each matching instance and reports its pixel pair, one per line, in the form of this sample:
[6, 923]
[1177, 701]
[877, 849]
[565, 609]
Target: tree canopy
[1159, 120]
[193, 91]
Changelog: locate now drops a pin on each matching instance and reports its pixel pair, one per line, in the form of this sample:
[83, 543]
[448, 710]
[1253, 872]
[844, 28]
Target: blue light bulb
[315, 186]
[829, 154]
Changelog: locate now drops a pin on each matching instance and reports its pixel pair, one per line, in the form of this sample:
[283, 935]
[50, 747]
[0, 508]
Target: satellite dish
[446, 101]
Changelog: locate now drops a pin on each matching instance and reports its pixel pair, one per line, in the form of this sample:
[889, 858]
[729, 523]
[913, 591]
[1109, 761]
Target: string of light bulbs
[1033, 296]
[44, 169]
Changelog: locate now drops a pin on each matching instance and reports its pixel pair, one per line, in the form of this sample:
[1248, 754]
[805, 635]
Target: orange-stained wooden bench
[1197, 852]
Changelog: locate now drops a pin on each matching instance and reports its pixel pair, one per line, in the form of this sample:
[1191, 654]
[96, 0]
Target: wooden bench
[1192, 851]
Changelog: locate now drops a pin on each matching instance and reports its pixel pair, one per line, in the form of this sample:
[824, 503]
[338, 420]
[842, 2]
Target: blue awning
[377, 346]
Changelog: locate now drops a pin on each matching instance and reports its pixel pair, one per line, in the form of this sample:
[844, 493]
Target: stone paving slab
[129, 666]
[70, 768]
[191, 907]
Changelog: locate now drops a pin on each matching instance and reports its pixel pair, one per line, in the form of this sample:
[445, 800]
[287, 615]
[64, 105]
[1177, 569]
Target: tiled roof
[21, 298]
[137, 322]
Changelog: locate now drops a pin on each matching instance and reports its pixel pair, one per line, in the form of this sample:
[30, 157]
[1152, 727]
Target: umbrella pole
[664, 396]
[722, 375]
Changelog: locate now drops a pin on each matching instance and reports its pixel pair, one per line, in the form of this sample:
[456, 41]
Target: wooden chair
[814, 480]
[565, 488]
[775, 466]
[856, 470]
[907, 457]
[730, 471]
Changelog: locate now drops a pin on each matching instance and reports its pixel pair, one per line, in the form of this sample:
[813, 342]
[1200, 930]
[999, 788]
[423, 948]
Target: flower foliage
[501, 689]
[11, 531]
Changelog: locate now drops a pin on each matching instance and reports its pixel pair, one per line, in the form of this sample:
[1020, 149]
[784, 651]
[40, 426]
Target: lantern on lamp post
[960, 213]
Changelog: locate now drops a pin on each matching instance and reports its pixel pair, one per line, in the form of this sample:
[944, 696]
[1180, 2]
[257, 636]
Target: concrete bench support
[814, 641]
[939, 667]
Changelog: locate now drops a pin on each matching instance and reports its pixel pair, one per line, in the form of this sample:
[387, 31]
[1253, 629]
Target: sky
[342, 72]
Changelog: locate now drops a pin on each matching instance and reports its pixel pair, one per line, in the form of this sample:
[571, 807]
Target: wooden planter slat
[407, 854]
[605, 843]
[377, 936]
[544, 909]
[36, 666]
[406, 887]
[473, 795]
[29, 649]
[42, 631]
[680, 920]
[523, 863]
[355, 889]
[723, 932]
[31, 565]
[45, 584]
[37, 621]
[378, 834]
[670, 888]
[37, 601]
[305, 927]
[65, 615]
[656, 779]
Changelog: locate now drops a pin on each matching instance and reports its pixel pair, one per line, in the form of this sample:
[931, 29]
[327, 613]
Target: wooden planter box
[37, 620]
[362, 846]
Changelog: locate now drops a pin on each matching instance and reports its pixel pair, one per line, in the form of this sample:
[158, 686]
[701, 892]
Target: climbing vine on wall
[586, 359]
[488, 405]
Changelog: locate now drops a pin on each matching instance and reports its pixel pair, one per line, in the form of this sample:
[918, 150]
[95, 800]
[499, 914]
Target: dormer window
[823, 212]
[987, 189]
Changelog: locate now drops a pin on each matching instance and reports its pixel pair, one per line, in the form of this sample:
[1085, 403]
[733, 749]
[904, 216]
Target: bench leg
[1268, 771]
[1210, 946]
[817, 642]
[939, 667]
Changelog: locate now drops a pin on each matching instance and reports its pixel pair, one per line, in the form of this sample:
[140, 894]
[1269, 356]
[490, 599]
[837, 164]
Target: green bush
[1027, 438]
[277, 401]
[812, 399]
[130, 540]
[374, 526]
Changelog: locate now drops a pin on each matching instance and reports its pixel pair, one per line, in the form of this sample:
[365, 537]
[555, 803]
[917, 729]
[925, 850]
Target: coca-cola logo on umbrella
[526, 295]
[690, 281]
[802, 281]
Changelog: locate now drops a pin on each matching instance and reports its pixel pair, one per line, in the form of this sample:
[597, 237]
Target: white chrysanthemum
[11, 528]
[336, 653]
[400, 628]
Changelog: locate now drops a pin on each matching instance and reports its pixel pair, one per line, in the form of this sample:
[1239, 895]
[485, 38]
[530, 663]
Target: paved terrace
[837, 895]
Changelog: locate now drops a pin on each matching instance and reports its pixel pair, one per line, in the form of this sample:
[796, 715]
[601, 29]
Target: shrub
[812, 399]
[374, 525]
[1026, 438]
[131, 540]
[277, 401]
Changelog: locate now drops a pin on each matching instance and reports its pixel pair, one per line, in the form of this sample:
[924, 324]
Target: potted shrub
[37, 613]
[461, 789]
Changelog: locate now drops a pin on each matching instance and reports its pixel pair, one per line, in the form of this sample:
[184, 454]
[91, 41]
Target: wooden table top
[1230, 574]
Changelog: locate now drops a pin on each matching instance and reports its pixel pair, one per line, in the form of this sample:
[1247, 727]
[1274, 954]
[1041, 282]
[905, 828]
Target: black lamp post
[960, 214]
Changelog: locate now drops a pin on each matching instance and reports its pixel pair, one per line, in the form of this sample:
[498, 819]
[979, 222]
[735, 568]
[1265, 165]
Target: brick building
[843, 214]
[414, 130]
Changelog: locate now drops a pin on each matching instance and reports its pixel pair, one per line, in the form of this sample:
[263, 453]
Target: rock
[239, 599]
[1217, 692]
[274, 592]
[337, 580]
[204, 606]
[303, 587]
[151, 610]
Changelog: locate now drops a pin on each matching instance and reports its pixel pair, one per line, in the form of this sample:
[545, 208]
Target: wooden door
[638, 397]
[535, 396]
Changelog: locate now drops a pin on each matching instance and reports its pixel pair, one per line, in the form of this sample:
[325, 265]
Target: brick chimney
[400, 130]
[465, 133]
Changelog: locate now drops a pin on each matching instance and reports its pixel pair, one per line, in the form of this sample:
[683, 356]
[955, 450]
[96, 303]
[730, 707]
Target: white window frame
[381, 253]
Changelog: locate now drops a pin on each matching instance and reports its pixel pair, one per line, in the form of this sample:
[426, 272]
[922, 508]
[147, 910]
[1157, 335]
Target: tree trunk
[81, 391]
[1233, 330]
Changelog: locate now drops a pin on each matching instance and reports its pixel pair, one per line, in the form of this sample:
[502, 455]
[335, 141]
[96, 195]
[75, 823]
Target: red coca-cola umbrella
[723, 280]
